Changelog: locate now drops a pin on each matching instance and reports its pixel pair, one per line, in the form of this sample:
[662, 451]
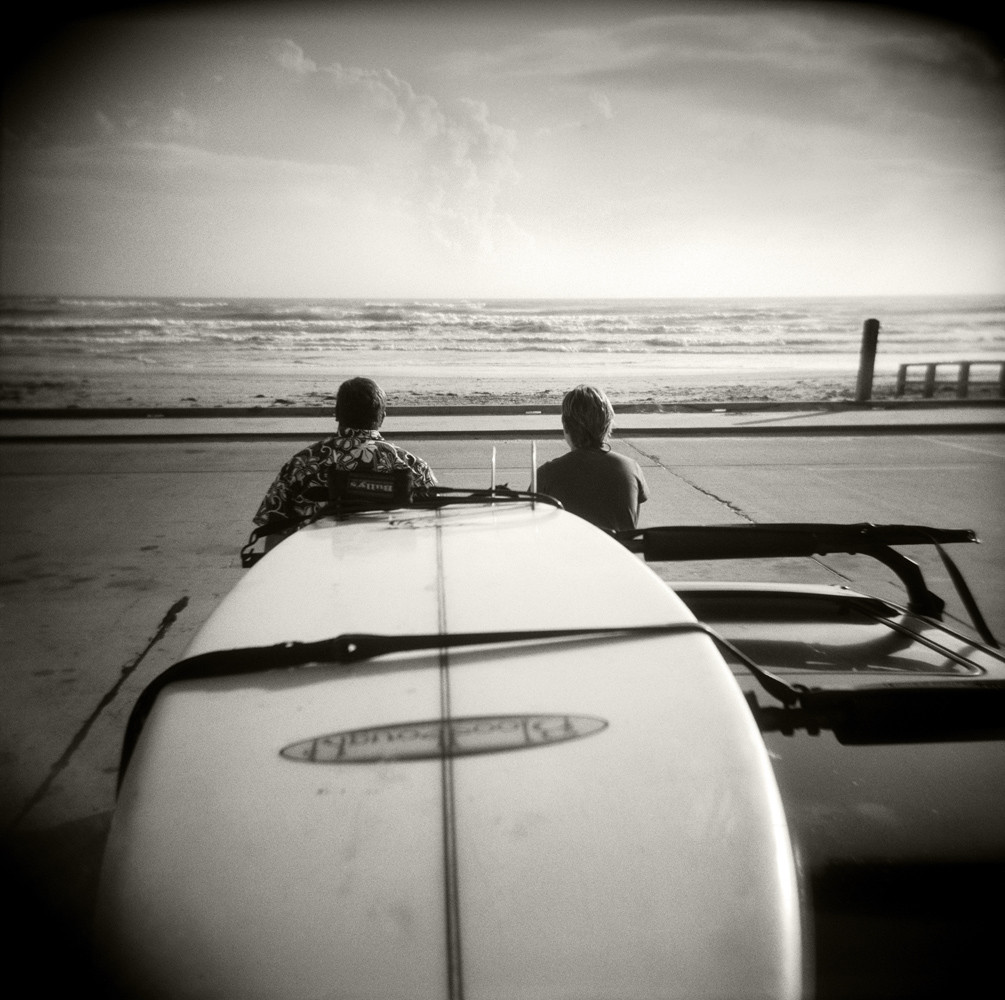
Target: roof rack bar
[741, 541]
[760, 541]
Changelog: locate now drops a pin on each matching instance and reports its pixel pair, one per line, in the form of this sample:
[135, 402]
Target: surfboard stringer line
[451, 881]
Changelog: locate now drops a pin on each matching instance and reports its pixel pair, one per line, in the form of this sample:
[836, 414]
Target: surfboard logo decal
[437, 738]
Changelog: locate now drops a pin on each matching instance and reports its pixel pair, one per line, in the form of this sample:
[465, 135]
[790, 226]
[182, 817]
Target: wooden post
[901, 380]
[929, 391]
[867, 360]
[963, 380]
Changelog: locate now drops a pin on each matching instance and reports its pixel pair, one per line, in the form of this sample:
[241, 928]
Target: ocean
[84, 344]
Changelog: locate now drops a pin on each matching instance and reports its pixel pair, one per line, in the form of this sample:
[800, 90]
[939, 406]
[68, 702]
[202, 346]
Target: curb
[493, 409]
[515, 433]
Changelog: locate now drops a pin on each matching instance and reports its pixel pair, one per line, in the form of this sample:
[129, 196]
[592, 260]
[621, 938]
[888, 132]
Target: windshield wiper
[351, 648]
[930, 712]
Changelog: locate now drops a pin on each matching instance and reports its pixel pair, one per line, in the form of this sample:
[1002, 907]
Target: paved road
[113, 553]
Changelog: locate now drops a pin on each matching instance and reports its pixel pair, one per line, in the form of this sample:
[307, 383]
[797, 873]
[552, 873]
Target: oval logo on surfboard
[443, 738]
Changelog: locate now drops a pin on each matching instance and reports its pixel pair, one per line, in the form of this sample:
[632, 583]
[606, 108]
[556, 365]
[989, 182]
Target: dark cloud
[803, 62]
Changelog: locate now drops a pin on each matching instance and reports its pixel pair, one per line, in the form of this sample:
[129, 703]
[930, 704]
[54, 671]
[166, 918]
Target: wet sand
[430, 379]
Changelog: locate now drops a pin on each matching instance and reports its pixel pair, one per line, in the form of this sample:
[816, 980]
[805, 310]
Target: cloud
[269, 114]
[602, 103]
[449, 160]
[137, 168]
[290, 56]
[597, 110]
[810, 62]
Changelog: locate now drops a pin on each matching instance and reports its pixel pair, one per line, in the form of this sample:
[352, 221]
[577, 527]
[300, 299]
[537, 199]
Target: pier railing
[930, 379]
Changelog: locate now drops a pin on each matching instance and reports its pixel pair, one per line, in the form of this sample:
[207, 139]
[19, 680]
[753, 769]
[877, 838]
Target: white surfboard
[571, 817]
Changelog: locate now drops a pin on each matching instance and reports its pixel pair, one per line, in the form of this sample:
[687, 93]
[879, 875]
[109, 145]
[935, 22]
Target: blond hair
[587, 416]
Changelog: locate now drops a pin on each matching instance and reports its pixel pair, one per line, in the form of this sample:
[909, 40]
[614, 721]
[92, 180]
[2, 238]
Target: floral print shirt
[301, 488]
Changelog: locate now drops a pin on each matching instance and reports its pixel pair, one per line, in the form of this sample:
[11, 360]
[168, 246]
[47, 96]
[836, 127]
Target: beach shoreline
[47, 394]
[421, 382]
[280, 354]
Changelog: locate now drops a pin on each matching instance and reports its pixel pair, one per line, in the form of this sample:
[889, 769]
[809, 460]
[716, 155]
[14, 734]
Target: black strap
[353, 648]
[248, 555]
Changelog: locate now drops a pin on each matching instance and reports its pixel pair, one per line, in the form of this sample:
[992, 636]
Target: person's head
[587, 416]
[360, 404]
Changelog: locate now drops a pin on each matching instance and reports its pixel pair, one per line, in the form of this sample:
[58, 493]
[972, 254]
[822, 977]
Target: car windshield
[787, 631]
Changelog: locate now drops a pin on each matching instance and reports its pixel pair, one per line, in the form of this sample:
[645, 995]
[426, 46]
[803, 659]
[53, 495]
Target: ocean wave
[222, 330]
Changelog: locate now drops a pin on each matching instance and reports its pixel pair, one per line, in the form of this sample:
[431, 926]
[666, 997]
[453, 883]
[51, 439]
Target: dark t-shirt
[603, 487]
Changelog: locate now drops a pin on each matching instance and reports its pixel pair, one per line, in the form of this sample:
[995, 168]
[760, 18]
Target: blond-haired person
[598, 484]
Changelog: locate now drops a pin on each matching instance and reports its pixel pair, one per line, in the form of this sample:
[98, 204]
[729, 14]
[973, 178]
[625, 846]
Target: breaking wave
[225, 329]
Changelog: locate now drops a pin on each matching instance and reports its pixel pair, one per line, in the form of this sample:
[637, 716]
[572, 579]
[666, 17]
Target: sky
[497, 150]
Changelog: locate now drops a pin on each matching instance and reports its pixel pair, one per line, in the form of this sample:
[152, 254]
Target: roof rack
[359, 493]
[677, 543]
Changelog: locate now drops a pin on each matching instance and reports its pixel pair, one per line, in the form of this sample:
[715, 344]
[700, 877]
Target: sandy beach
[451, 379]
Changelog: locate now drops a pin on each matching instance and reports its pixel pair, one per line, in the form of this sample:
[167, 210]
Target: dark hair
[360, 404]
[587, 416]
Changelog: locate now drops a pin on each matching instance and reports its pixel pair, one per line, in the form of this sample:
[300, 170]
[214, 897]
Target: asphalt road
[113, 554]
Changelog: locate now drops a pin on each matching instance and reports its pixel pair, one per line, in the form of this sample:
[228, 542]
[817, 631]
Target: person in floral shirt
[301, 488]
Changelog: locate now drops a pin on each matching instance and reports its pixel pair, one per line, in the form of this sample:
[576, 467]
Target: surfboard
[570, 816]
